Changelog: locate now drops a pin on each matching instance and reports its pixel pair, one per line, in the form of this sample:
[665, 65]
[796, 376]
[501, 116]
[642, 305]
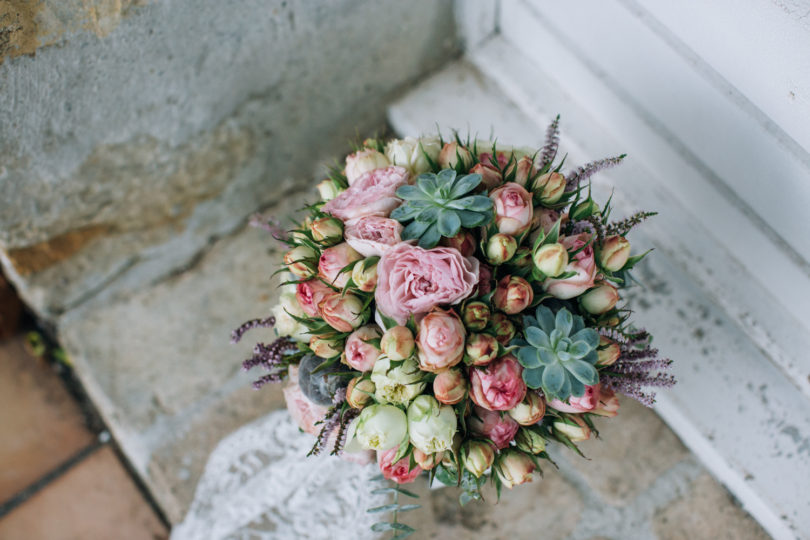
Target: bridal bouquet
[454, 306]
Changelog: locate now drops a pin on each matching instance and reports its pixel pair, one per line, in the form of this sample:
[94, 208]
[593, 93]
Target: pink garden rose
[335, 259]
[412, 280]
[372, 235]
[587, 402]
[500, 429]
[499, 386]
[363, 161]
[583, 264]
[440, 341]
[400, 472]
[373, 194]
[359, 354]
[310, 294]
[513, 208]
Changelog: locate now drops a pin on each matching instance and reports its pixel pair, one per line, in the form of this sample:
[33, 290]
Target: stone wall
[133, 134]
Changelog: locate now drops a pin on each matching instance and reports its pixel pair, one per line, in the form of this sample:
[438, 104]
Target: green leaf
[388, 322]
[430, 237]
[384, 508]
[464, 185]
[583, 371]
[382, 526]
[448, 222]
[405, 492]
[546, 357]
[409, 507]
[554, 378]
[634, 260]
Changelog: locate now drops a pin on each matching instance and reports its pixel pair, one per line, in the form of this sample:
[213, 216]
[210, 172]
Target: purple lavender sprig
[623, 227]
[549, 150]
[273, 358]
[638, 368]
[237, 334]
[575, 178]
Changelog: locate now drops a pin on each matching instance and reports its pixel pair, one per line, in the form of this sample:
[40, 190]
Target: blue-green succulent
[558, 353]
[440, 205]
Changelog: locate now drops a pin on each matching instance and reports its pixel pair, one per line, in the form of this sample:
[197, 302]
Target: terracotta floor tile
[94, 500]
[41, 425]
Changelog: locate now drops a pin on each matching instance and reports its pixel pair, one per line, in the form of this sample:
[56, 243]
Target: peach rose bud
[359, 392]
[327, 231]
[530, 441]
[464, 242]
[501, 248]
[608, 405]
[490, 178]
[481, 349]
[325, 347]
[427, 461]
[364, 276]
[514, 468]
[600, 299]
[614, 252]
[450, 386]
[573, 427]
[302, 261]
[504, 328]
[364, 161]
[513, 294]
[475, 315]
[477, 457]
[343, 312]
[551, 259]
[397, 343]
[529, 411]
[550, 187]
[608, 351]
[524, 170]
[454, 154]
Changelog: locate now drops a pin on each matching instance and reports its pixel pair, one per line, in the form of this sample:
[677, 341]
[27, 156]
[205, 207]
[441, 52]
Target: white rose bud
[551, 259]
[302, 261]
[600, 299]
[364, 276]
[408, 153]
[381, 427]
[431, 426]
[397, 384]
[286, 325]
[363, 161]
[550, 187]
[328, 190]
[614, 252]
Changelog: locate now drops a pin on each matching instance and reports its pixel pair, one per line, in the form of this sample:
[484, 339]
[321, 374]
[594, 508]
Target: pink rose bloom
[587, 402]
[303, 411]
[335, 259]
[372, 235]
[310, 294]
[499, 386]
[500, 429]
[373, 194]
[440, 341]
[583, 264]
[400, 472]
[359, 354]
[513, 208]
[412, 280]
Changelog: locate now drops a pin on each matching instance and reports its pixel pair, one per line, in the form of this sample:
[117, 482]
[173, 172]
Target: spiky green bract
[440, 205]
[558, 354]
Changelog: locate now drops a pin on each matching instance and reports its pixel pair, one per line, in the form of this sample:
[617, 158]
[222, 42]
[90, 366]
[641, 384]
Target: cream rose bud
[381, 427]
[364, 276]
[302, 261]
[573, 427]
[431, 425]
[550, 187]
[328, 190]
[427, 461]
[530, 441]
[410, 153]
[398, 384]
[363, 161]
[500, 248]
[481, 349]
[475, 315]
[614, 252]
[514, 468]
[608, 351]
[343, 312]
[551, 259]
[464, 242]
[490, 178]
[284, 312]
[450, 386]
[529, 411]
[600, 299]
[477, 457]
[359, 392]
[397, 343]
[440, 341]
[513, 294]
[453, 154]
[524, 170]
[325, 347]
[513, 208]
[327, 230]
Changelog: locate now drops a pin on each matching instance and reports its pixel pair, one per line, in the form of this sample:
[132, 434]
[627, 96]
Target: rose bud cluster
[503, 328]
[499, 385]
[359, 392]
[573, 427]
[530, 441]
[364, 161]
[464, 242]
[454, 155]
[550, 187]
[529, 411]
[481, 349]
[476, 315]
[501, 248]
[513, 294]
[513, 208]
